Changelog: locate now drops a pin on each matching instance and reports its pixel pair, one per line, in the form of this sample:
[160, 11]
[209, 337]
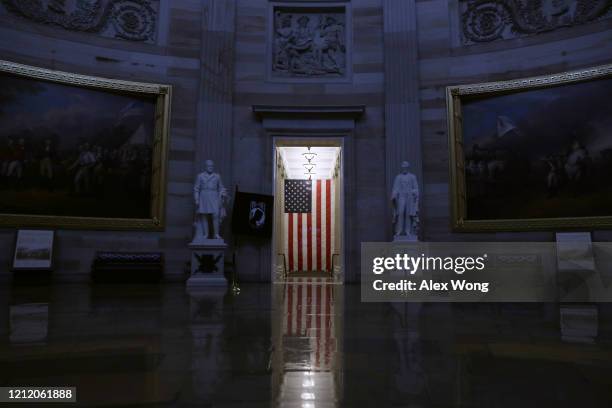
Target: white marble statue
[209, 195]
[405, 199]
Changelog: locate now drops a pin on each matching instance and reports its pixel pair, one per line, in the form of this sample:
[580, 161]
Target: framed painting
[532, 154]
[33, 250]
[81, 152]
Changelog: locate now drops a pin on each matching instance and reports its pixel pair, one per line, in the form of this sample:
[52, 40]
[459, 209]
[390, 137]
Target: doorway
[308, 237]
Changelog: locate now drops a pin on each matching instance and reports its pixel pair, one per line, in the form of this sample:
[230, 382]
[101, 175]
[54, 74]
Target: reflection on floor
[305, 343]
[307, 356]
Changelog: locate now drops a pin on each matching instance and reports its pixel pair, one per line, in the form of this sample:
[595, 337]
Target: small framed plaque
[33, 250]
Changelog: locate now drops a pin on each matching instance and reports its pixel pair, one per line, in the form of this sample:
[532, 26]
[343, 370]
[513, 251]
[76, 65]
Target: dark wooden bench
[127, 267]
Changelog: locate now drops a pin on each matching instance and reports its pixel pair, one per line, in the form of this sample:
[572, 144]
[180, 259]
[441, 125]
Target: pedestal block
[207, 263]
[405, 238]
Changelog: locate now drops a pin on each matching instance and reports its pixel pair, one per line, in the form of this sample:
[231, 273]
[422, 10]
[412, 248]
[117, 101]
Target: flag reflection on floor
[309, 343]
[309, 305]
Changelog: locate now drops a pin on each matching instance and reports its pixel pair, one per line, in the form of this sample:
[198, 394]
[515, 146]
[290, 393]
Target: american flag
[308, 225]
[309, 310]
[298, 196]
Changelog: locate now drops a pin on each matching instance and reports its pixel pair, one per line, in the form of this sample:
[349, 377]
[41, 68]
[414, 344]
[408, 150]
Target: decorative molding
[492, 20]
[309, 41]
[354, 111]
[309, 119]
[82, 80]
[533, 82]
[132, 20]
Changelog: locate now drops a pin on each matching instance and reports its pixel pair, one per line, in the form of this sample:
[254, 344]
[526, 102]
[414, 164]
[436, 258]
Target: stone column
[402, 108]
[216, 87]
[214, 126]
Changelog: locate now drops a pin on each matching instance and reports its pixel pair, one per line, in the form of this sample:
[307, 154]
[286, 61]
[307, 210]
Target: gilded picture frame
[149, 103]
[550, 170]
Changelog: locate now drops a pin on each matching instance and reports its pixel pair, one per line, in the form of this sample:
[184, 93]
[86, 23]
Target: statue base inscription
[207, 263]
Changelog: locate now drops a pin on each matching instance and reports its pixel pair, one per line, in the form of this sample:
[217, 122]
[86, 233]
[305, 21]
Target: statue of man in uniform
[209, 195]
[405, 198]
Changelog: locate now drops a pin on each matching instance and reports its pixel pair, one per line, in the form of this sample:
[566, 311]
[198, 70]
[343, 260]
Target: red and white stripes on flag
[309, 237]
[309, 312]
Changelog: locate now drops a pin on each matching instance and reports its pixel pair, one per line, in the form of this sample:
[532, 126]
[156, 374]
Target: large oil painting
[533, 153]
[79, 151]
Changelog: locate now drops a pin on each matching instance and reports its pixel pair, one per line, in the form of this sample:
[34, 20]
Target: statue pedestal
[207, 263]
[405, 238]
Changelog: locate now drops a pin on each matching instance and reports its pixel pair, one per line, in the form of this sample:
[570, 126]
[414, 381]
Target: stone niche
[132, 20]
[309, 42]
[484, 21]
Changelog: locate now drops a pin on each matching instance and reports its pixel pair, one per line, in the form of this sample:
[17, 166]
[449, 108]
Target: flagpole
[235, 287]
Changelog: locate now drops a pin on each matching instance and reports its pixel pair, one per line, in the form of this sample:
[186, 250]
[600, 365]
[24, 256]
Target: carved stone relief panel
[490, 20]
[309, 42]
[133, 20]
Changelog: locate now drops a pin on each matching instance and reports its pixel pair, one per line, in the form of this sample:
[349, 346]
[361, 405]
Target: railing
[335, 263]
[284, 264]
[335, 256]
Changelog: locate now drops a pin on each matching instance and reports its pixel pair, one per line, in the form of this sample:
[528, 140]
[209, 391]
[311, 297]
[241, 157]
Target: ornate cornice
[491, 20]
[133, 20]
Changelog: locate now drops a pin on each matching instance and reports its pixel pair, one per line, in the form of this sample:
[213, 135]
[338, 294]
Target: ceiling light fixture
[308, 155]
[309, 166]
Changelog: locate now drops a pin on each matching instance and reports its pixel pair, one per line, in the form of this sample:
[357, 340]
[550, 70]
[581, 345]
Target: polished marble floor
[306, 344]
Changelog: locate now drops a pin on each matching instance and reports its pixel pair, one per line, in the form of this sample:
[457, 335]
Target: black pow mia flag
[298, 196]
[252, 214]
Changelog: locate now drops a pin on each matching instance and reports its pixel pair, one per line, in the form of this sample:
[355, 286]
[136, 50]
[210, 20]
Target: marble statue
[309, 44]
[210, 196]
[405, 199]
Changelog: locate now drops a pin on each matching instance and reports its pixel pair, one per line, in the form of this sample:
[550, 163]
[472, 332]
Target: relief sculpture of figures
[405, 199]
[309, 44]
[210, 196]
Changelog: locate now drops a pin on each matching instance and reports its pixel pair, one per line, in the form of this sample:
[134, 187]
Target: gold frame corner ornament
[457, 185]
[163, 94]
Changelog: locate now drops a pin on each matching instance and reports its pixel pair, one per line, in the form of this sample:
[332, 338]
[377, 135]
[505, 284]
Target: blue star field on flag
[298, 196]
